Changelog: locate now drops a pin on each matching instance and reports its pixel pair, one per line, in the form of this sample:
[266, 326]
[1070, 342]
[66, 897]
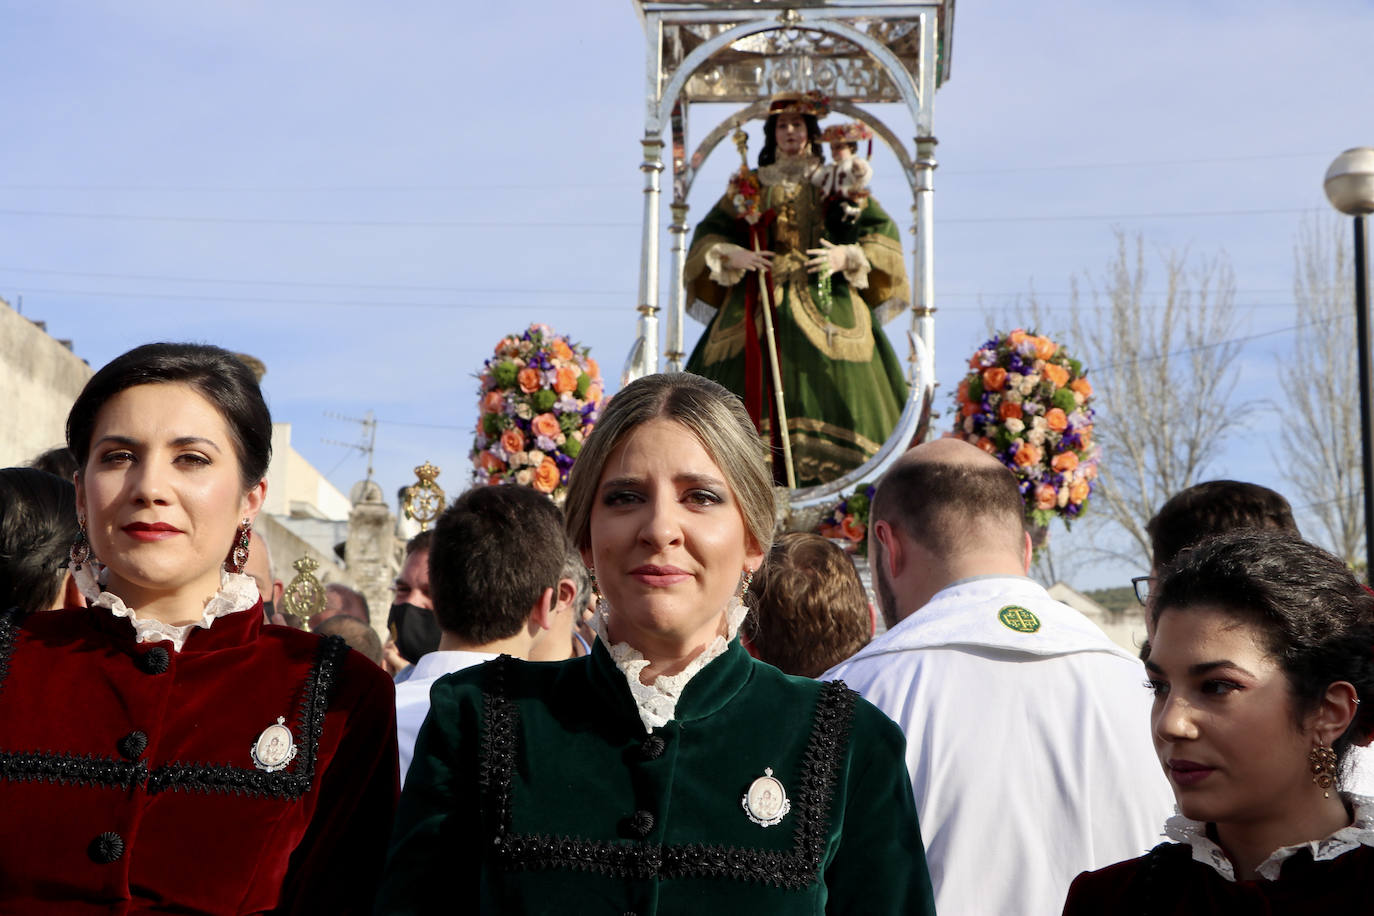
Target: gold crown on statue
[812, 102]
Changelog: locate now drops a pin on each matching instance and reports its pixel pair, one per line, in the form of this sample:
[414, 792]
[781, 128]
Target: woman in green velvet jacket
[668, 772]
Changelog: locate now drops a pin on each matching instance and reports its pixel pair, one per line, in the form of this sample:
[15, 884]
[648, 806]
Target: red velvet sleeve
[337, 866]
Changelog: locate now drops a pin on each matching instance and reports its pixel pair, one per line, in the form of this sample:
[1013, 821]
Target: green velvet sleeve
[880, 865]
[434, 847]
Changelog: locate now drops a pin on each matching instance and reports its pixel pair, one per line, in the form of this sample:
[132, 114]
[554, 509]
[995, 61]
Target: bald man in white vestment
[1028, 730]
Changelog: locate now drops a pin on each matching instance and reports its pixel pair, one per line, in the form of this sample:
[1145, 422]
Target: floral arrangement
[1026, 401]
[849, 519]
[540, 397]
[743, 191]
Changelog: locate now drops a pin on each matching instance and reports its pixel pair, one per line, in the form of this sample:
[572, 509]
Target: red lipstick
[1186, 773]
[156, 531]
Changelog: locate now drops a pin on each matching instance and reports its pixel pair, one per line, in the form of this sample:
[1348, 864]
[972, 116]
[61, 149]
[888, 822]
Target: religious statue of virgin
[834, 278]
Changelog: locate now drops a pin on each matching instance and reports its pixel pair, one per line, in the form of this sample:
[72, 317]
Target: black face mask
[416, 629]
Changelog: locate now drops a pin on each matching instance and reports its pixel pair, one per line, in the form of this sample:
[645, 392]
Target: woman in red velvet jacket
[163, 749]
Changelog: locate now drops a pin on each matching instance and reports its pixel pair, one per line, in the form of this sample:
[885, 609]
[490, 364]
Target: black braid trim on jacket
[794, 870]
[68, 769]
[9, 624]
[289, 784]
[1152, 885]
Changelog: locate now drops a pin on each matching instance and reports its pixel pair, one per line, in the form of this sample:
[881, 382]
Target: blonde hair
[709, 412]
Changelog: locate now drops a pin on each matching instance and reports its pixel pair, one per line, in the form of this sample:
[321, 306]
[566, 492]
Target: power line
[322, 303]
[582, 224]
[1155, 357]
[628, 182]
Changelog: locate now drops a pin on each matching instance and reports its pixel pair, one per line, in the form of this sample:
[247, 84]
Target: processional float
[743, 52]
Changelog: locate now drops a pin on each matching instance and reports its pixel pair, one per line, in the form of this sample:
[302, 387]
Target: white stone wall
[39, 380]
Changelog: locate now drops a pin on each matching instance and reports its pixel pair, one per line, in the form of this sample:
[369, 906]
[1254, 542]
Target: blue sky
[368, 197]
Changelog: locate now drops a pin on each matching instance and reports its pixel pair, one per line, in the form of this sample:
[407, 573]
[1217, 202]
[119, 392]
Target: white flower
[1028, 382]
[524, 477]
[1063, 497]
[523, 410]
[968, 424]
[1040, 423]
[534, 456]
[1013, 396]
[1036, 437]
[1014, 424]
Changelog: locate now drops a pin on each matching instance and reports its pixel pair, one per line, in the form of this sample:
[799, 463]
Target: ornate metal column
[644, 361]
[923, 266]
[677, 300]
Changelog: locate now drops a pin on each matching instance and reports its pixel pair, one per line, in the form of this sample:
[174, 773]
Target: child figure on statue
[844, 181]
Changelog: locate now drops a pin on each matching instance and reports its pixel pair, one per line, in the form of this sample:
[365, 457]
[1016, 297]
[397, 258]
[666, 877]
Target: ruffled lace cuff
[721, 272]
[1359, 833]
[657, 702]
[856, 266]
[237, 592]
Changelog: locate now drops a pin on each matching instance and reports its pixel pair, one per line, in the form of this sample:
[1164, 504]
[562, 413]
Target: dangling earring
[81, 547]
[1323, 763]
[745, 583]
[238, 557]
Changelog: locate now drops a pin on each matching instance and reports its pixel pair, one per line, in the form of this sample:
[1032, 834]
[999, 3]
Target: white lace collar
[237, 592]
[1359, 833]
[657, 702]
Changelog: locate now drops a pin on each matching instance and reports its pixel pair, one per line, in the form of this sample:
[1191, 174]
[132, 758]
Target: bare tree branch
[1320, 443]
[1163, 382]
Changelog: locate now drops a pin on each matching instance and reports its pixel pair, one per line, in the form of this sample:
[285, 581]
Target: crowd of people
[644, 702]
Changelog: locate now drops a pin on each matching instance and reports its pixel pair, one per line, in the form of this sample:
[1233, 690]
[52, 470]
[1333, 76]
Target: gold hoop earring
[1322, 761]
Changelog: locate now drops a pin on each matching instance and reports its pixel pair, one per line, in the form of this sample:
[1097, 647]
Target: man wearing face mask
[414, 631]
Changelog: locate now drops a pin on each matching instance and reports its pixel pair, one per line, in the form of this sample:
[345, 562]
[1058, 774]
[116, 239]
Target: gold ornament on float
[424, 499]
[304, 597]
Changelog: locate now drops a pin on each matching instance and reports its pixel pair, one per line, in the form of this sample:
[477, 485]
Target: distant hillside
[1114, 599]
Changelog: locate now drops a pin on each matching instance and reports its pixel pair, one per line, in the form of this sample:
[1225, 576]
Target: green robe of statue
[844, 386]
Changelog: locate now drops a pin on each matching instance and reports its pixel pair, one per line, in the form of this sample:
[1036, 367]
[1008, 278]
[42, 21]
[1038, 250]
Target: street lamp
[1350, 188]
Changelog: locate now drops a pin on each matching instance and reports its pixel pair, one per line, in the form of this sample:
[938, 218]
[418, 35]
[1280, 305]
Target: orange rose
[1017, 337]
[529, 380]
[1009, 411]
[546, 476]
[852, 529]
[962, 393]
[1085, 436]
[490, 463]
[969, 409]
[986, 445]
[493, 402]
[561, 350]
[513, 440]
[593, 393]
[974, 362]
[1056, 419]
[1044, 347]
[1045, 496]
[1082, 386]
[1026, 455]
[1078, 491]
[494, 480]
[1064, 462]
[1057, 374]
[566, 380]
[994, 379]
[592, 368]
[545, 424]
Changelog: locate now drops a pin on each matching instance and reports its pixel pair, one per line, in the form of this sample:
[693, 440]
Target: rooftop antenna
[367, 441]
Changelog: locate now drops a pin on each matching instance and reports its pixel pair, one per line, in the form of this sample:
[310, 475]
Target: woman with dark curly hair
[1263, 679]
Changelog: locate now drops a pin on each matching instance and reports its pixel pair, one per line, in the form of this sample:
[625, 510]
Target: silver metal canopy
[741, 51]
